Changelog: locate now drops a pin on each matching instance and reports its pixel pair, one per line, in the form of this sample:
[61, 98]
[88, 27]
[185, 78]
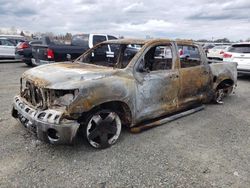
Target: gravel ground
[207, 149]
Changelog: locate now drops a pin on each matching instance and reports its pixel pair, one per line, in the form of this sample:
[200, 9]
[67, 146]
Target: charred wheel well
[119, 107]
[225, 84]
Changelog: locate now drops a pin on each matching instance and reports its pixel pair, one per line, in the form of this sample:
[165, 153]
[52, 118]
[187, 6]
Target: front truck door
[195, 81]
[157, 82]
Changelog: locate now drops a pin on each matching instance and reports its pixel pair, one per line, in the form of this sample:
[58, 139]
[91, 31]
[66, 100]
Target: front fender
[100, 92]
[223, 71]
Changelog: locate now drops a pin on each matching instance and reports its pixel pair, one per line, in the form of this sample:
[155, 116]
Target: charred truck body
[138, 82]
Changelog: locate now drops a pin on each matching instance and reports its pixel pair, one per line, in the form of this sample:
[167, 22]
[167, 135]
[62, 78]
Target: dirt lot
[210, 148]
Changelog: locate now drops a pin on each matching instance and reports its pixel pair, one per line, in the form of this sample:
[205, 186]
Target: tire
[102, 128]
[28, 64]
[219, 95]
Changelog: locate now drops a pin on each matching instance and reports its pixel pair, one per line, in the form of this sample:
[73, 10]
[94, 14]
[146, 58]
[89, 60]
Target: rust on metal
[77, 88]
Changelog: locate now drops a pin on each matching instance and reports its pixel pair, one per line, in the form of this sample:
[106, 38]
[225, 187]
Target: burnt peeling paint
[74, 89]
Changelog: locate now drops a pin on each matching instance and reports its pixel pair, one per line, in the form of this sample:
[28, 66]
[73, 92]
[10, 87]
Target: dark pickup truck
[51, 51]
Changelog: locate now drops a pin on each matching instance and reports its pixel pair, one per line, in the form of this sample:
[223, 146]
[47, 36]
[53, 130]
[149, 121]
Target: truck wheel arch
[120, 107]
[223, 84]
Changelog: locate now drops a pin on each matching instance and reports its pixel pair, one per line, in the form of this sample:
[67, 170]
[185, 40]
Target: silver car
[7, 48]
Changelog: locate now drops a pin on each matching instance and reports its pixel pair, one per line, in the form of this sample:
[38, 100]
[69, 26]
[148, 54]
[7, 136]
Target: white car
[7, 48]
[239, 53]
[217, 52]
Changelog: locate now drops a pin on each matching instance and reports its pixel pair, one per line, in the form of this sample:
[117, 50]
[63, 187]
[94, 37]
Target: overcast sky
[131, 18]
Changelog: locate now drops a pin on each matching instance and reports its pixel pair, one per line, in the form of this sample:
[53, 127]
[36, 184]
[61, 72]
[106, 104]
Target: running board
[141, 128]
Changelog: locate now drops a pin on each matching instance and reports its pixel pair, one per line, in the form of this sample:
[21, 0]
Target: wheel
[219, 95]
[28, 63]
[102, 128]
[228, 91]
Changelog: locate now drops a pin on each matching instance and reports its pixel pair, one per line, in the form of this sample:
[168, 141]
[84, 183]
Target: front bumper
[46, 125]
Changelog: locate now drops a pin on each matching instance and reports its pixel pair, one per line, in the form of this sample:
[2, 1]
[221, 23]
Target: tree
[202, 40]
[68, 36]
[224, 40]
[22, 33]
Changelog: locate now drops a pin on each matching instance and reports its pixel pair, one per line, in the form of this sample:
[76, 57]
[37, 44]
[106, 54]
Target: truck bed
[61, 52]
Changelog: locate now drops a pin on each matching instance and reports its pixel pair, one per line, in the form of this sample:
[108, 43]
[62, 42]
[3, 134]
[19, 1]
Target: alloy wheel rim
[103, 129]
[220, 95]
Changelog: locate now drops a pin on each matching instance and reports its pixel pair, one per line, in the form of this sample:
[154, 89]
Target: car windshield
[240, 48]
[111, 54]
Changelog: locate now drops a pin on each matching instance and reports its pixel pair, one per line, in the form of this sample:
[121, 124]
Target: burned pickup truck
[134, 87]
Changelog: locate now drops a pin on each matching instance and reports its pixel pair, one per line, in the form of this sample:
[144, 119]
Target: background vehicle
[15, 39]
[101, 92]
[239, 53]
[7, 48]
[50, 51]
[23, 51]
[186, 51]
[207, 46]
[217, 52]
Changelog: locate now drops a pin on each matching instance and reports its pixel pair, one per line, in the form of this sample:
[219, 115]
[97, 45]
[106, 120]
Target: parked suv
[186, 51]
[239, 53]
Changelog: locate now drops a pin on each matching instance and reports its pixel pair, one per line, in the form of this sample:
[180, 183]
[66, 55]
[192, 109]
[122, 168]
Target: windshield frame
[122, 48]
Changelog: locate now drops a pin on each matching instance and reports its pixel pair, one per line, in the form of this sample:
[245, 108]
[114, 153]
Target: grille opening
[33, 94]
[49, 116]
[57, 116]
[41, 116]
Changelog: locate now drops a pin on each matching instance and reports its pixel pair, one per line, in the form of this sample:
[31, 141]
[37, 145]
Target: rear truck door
[157, 80]
[95, 39]
[195, 77]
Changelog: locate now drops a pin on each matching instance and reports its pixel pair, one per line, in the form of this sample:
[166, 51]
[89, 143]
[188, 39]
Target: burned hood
[66, 75]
